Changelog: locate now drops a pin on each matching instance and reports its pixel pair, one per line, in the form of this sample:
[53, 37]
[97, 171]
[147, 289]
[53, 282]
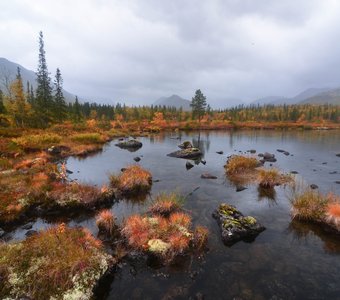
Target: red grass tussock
[133, 180]
[105, 221]
[165, 204]
[58, 263]
[180, 218]
[333, 215]
[164, 236]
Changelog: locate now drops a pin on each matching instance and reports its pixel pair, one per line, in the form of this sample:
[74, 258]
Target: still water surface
[289, 260]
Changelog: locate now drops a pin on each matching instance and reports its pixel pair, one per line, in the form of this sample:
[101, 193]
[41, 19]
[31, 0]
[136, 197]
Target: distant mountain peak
[173, 101]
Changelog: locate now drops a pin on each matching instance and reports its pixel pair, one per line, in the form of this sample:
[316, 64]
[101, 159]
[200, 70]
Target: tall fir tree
[44, 99]
[60, 110]
[198, 105]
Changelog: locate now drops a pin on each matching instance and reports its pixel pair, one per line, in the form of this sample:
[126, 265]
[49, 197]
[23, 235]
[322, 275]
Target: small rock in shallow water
[219, 152]
[337, 182]
[240, 188]
[324, 163]
[188, 165]
[137, 159]
[203, 161]
[294, 172]
[208, 176]
[313, 186]
[286, 153]
[333, 172]
[338, 155]
[123, 169]
[69, 171]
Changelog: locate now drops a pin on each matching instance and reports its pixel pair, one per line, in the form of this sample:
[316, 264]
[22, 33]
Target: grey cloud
[137, 51]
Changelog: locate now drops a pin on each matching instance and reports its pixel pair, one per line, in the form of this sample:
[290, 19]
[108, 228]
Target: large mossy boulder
[189, 153]
[235, 226]
[130, 144]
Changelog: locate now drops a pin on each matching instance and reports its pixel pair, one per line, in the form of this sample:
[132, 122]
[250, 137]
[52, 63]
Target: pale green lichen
[184, 230]
[158, 246]
[249, 220]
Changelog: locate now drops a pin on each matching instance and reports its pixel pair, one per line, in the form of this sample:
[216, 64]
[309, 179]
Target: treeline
[284, 113]
[45, 106]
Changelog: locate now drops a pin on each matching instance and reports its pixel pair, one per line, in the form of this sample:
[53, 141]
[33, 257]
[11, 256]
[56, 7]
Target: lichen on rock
[234, 226]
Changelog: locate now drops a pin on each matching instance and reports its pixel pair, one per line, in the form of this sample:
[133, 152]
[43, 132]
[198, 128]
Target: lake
[289, 260]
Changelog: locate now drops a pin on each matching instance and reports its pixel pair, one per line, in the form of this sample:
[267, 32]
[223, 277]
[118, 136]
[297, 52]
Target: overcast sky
[137, 51]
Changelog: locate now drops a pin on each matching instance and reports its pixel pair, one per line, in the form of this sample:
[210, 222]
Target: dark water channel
[289, 260]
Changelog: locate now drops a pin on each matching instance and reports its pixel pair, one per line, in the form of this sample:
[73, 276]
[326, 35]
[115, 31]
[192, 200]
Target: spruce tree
[60, 109]
[198, 105]
[44, 100]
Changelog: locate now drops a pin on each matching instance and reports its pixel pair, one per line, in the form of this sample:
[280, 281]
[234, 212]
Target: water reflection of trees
[202, 141]
[301, 230]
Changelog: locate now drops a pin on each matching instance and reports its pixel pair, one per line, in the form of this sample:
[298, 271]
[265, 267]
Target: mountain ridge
[9, 69]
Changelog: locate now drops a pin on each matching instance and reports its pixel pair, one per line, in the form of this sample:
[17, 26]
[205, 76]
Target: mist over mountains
[309, 96]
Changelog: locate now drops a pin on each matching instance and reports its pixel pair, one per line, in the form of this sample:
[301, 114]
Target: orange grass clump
[133, 180]
[332, 215]
[166, 237]
[165, 204]
[61, 262]
[180, 218]
[105, 221]
[238, 163]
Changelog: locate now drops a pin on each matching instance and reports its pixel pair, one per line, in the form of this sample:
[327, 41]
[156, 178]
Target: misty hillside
[311, 96]
[9, 69]
[173, 101]
[330, 97]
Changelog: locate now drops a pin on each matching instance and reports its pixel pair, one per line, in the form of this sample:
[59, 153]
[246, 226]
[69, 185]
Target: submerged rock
[189, 165]
[130, 144]
[219, 152]
[137, 159]
[190, 153]
[208, 176]
[313, 186]
[186, 145]
[240, 188]
[338, 154]
[234, 226]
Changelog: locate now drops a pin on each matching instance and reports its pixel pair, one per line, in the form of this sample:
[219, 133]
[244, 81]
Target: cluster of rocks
[267, 157]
